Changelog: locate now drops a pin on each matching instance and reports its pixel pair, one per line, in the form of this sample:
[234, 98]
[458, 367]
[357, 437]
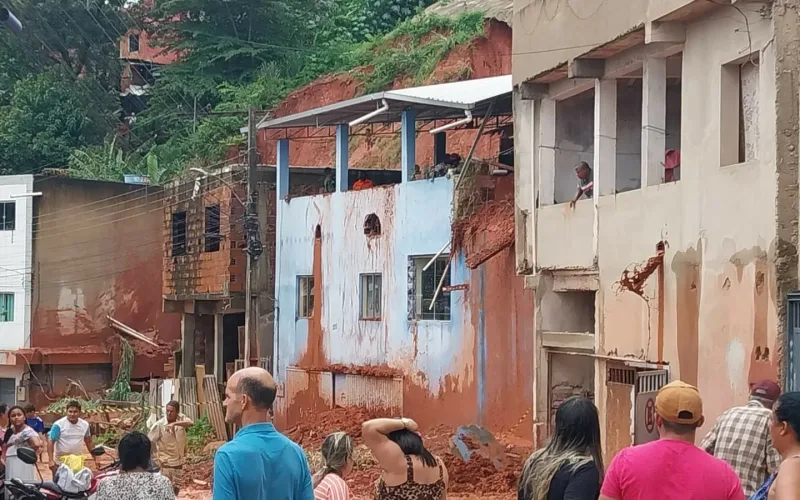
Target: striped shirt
[332, 487]
[741, 437]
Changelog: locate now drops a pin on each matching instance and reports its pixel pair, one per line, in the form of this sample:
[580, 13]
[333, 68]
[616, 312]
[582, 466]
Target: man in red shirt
[672, 468]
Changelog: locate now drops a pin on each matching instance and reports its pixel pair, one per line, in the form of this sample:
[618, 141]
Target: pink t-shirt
[332, 487]
[668, 469]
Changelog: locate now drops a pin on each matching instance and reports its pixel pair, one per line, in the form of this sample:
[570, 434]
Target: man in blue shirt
[259, 463]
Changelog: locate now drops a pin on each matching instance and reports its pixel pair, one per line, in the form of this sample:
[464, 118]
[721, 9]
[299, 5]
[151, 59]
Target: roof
[502, 10]
[431, 102]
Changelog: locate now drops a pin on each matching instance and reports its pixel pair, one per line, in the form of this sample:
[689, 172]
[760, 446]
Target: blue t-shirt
[259, 464]
[35, 423]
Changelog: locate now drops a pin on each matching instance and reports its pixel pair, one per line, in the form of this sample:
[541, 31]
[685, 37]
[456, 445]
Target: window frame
[419, 302]
[6, 225]
[211, 240]
[178, 248]
[133, 36]
[305, 297]
[4, 316]
[363, 296]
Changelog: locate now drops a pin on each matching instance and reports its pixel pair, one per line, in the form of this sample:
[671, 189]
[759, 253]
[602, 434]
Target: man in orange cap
[672, 468]
[740, 436]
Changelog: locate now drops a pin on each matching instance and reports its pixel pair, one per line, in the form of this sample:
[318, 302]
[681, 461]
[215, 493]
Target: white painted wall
[15, 261]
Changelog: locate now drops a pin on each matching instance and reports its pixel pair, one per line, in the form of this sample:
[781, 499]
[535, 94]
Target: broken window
[6, 307]
[372, 225]
[178, 234]
[133, 42]
[212, 236]
[305, 296]
[426, 285]
[8, 215]
[371, 296]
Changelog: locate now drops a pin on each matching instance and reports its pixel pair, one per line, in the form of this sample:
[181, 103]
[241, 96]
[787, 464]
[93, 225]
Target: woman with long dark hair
[337, 452]
[784, 430]
[409, 470]
[570, 465]
[19, 434]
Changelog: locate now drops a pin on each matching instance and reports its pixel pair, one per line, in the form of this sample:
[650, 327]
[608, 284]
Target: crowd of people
[751, 451]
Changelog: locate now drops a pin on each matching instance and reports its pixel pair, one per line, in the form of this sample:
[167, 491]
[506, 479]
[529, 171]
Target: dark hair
[582, 164]
[679, 429]
[4, 408]
[16, 407]
[787, 409]
[134, 451]
[74, 404]
[29, 408]
[175, 405]
[411, 444]
[261, 394]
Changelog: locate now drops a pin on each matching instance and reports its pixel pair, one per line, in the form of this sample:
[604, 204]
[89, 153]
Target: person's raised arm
[388, 454]
[183, 421]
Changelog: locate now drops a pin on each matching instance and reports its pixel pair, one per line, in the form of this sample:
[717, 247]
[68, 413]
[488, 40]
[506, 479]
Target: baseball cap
[766, 389]
[680, 403]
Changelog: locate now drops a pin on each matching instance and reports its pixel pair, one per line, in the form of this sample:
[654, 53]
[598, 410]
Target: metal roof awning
[431, 102]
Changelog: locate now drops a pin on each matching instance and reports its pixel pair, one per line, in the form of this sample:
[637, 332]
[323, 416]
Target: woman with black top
[570, 465]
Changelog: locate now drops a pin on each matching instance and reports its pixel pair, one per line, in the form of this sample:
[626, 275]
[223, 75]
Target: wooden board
[200, 373]
[216, 416]
[187, 397]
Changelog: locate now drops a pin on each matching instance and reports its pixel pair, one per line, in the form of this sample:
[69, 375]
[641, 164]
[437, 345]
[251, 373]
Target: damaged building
[402, 295]
[657, 272]
[83, 252]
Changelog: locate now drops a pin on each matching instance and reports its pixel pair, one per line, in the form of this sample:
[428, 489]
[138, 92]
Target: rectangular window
[133, 42]
[212, 229]
[739, 111]
[426, 282]
[305, 296]
[371, 296]
[178, 234]
[8, 215]
[6, 307]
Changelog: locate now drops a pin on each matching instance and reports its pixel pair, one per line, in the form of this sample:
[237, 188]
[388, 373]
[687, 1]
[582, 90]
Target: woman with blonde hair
[337, 454]
[570, 465]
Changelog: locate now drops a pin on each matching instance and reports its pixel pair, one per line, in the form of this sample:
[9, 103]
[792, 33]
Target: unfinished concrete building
[658, 272]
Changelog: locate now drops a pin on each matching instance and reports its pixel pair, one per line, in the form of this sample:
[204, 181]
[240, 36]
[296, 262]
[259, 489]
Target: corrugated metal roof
[431, 102]
[502, 10]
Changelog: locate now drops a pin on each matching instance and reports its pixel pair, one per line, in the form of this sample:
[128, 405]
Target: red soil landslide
[381, 371]
[485, 233]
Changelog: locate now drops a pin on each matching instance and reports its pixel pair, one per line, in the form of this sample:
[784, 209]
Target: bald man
[259, 462]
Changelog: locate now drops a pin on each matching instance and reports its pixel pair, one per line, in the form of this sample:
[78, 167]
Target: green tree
[48, 116]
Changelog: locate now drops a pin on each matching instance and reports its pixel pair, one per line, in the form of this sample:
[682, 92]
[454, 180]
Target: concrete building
[94, 251]
[373, 308]
[15, 279]
[662, 272]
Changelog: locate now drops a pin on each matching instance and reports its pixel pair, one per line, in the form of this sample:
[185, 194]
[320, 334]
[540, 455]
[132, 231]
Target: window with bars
[178, 234]
[6, 307]
[426, 282]
[212, 236]
[371, 296]
[8, 215]
[305, 296]
[133, 42]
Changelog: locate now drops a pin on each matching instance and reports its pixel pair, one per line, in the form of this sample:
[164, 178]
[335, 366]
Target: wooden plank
[200, 373]
[188, 397]
[216, 415]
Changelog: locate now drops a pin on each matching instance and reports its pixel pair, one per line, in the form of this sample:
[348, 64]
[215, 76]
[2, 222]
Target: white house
[16, 222]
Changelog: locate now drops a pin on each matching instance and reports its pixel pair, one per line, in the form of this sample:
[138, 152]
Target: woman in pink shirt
[337, 452]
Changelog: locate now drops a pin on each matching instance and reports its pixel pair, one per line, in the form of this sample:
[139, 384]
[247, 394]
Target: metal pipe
[441, 283]
[433, 259]
[460, 122]
[384, 108]
[10, 20]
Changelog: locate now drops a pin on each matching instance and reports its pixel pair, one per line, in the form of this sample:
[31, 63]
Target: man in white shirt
[68, 435]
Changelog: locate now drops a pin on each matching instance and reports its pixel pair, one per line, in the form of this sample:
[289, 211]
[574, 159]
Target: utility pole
[252, 162]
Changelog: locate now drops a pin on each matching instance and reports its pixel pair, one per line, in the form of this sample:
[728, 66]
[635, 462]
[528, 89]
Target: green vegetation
[199, 435]
[59, 87]
[121, 390]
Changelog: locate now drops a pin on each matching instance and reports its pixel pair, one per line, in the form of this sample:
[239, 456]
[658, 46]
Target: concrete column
[219, 360]
[282, 170]
[439, 147]
[654, 120]
[342, 144]
[187, 345]
[547, 152]
[408, 143]
[605, 137]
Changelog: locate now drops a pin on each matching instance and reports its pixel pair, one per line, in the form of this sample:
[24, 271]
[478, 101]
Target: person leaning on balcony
[362, 182]
[672, 467]
[585, 182]
[741, 437]
[570, 465]
[409, 470]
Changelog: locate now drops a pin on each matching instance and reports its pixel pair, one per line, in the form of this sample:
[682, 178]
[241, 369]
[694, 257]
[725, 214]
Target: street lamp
[10, 20]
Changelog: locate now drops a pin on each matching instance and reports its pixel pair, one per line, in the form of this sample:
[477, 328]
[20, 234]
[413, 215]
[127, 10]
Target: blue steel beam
[342, 137]
[408, 143]
[282, 170]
